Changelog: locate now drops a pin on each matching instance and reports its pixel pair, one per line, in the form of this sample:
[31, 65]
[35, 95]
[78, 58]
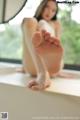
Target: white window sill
[66, 86]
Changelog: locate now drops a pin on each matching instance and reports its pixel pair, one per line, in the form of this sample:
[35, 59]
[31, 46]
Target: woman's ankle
[43, 77]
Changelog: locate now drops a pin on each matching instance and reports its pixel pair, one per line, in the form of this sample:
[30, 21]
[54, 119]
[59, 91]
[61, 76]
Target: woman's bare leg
[43, 79]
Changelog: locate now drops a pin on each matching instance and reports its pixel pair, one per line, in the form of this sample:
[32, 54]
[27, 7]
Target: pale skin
[43, 45]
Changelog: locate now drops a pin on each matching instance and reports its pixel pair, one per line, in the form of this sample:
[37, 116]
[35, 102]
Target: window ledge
[66, 86]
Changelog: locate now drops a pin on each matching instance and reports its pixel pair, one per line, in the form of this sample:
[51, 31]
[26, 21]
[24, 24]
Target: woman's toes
[46, 36]
[36, 87]
[37, 39]
[32, 83]
[41, 86]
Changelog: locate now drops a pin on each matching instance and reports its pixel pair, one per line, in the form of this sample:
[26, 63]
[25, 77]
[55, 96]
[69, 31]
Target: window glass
[11, 34]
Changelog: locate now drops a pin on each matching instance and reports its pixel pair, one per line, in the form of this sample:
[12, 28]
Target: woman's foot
[37, 39]
[21, 70]
[34, 85]
[42, 82]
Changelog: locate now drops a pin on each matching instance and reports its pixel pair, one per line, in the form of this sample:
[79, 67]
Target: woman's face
[49, 11]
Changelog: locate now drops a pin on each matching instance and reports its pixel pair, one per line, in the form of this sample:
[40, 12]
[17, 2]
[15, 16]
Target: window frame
[18, 61]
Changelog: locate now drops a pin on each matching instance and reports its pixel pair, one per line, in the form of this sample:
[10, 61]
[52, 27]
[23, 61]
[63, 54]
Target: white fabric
[46, 26]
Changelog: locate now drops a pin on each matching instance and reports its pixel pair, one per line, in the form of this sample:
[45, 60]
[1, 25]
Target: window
[70, 20]
[11, 34]
[10, 42]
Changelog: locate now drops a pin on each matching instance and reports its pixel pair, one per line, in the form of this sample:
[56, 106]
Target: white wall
[24, 104]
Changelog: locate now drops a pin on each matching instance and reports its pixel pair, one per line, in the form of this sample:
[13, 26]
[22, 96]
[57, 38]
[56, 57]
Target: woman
[44, 30]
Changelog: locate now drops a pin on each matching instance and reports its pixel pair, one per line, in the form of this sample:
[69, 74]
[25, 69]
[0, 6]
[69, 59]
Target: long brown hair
[41, 8]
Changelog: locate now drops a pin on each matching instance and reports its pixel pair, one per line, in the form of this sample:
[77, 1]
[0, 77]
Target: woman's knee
[30, 21]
